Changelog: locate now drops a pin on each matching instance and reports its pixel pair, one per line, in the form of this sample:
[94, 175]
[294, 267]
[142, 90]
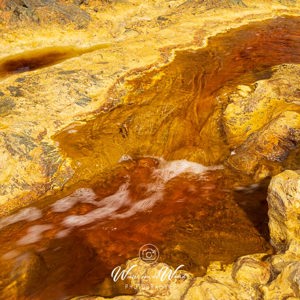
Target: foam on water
[125, 157]
[62, 233]
[247, 189]
[171, 169]
[140, 206]
[108, 207]
[84, 195]
[26, 214]
[34, 234]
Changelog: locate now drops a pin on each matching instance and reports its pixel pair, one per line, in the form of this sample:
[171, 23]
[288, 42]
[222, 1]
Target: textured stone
[284, 210]
[248, 270]
[39, 11]
[264, 125]
[285, 285]
[206, 290]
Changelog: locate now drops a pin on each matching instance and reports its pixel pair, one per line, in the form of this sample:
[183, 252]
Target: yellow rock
[285, 285]
[250, 271]
[284, 211]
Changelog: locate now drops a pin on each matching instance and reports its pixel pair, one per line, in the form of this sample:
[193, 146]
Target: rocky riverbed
[140, 109]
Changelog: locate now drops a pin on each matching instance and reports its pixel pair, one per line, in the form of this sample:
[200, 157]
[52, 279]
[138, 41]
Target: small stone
[162, 18]
[206, 290]
[79, 2]
[244, 90]
[251, 271]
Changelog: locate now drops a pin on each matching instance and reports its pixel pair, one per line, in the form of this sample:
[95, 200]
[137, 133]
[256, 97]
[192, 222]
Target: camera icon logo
[149, 253]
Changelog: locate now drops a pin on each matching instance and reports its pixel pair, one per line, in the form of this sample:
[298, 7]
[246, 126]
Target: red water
[191, 215]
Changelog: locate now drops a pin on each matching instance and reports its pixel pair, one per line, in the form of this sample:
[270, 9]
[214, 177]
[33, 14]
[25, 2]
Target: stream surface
[68, 244]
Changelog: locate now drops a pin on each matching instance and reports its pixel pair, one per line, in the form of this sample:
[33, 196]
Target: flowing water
[68, 244]
[190, 212]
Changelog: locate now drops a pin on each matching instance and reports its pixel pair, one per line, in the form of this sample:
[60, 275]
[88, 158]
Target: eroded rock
[284, 211]
[27, 274]
[285, 285]
[264, 125]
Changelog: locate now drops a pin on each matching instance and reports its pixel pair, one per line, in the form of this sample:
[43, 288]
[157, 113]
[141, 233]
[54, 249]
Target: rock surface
[284, 210]
[263, 125]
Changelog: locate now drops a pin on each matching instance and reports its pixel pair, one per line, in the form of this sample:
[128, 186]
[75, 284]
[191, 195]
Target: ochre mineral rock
[263, 126]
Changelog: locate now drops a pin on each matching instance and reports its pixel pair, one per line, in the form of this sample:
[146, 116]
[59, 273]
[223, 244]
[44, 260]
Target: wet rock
[280, 261]
[273, 143]
[219, 277]
[262, 122]
[27, 276]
